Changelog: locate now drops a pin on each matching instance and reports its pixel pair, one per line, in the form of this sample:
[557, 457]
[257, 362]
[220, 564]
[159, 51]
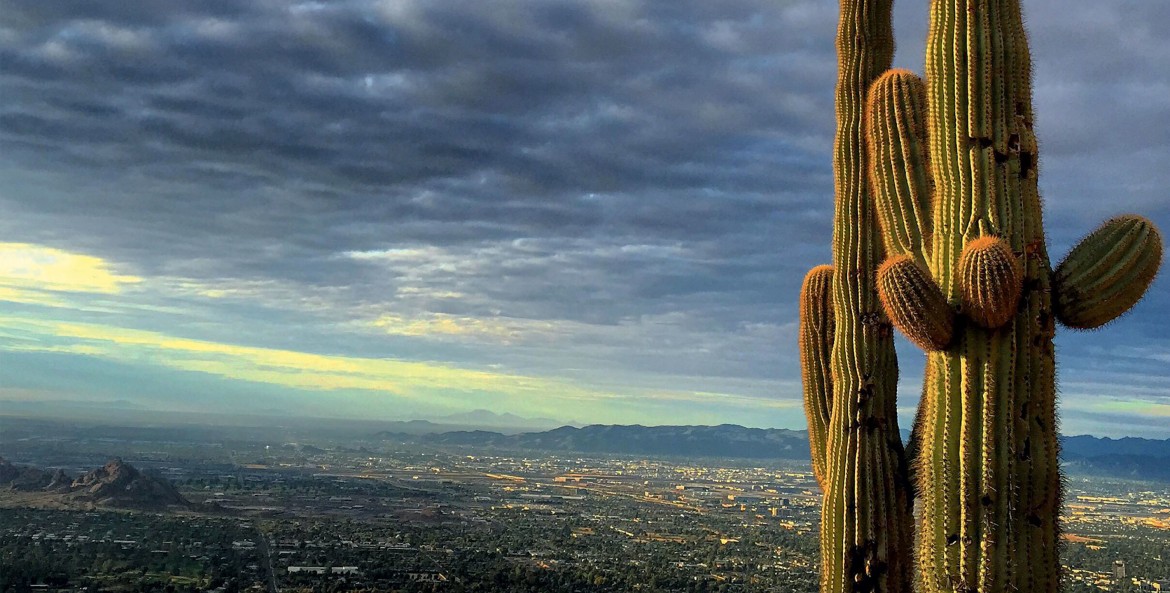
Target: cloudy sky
[589, 210]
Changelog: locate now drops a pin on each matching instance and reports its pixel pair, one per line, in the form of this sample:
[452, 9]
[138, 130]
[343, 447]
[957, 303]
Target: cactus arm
[899, 172]
[988, 472]
[1107, 273]
[899, 169]
[914, 303]
[816, 344]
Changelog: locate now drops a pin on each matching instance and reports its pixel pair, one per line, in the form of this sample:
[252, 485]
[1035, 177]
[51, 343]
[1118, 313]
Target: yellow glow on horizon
[1138, 408]
[1113, 405]
[442, 324]
[26, 266]
[287, 367]
[323, 372]
[30, 297]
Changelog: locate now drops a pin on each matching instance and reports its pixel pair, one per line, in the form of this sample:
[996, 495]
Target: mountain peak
[118, 483]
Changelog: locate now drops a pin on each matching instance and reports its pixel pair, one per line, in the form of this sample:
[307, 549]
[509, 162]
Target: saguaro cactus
[954, 167]
[849, 367]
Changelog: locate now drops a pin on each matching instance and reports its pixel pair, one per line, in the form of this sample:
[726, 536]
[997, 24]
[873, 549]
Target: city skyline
[597, 211]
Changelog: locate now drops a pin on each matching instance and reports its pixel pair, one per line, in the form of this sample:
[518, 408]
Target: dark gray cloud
[267, 139]
[292, 122]
[587, 162]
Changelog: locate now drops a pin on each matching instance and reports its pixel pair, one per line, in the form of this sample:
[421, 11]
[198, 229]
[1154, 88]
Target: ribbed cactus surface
[938, 215]
[849, 367]
[960, 195]
[1107, 272]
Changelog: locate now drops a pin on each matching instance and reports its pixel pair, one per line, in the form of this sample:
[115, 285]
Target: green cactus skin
[986, 463]
[899, 167]
[1107, 272]
[865, 522]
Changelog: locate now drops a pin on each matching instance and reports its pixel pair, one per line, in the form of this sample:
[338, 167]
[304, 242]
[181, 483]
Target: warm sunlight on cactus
[952, 164]
[857, 450]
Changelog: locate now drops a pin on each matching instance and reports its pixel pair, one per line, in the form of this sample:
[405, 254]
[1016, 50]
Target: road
[263, 549]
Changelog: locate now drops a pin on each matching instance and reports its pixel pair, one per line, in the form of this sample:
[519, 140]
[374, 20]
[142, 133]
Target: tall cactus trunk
[949, 171]
[857, 449]
[990, 478]
[969, 281]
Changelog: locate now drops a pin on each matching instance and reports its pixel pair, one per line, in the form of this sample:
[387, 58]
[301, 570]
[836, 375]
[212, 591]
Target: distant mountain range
[488, 419]
[1127, 457]
[51, 406]
[116, 484]
[725, 440]
[1135, 458]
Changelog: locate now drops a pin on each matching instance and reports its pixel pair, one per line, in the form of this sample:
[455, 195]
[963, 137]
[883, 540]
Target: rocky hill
[29, 479]
[120, 484]
[116, 484]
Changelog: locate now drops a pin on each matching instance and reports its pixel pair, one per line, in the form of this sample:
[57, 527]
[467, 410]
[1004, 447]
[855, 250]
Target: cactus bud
[990, 280]
[1107, 273]
[914, 303]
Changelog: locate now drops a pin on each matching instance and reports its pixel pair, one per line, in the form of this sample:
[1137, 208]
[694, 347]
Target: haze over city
[598, 211]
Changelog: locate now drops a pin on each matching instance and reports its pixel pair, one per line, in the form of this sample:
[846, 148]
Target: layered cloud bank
[598, 210]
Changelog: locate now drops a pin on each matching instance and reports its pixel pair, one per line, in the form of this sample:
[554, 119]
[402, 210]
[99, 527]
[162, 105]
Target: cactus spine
[849, 367]
[968, 208]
